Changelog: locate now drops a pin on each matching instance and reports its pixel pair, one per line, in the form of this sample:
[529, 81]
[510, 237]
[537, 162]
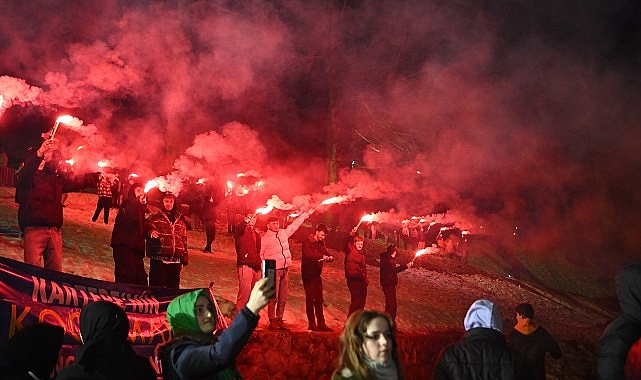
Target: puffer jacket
[356, 266]
[172, 236]
[625, 330]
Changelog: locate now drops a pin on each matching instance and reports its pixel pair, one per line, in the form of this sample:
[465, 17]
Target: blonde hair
[351, 344]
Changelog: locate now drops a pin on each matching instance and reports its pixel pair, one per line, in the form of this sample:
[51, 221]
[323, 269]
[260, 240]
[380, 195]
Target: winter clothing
[32, 351]
[208, 214]
[356, 274]
[534, 345]
[166, 263]
[247, 242]
[623, 332]
[313, 252]
[105, 197]
[389, 280]
[39, 195]
[192, 354]
[106, 353]
[275, 246]
[128, 241]
[482, 353]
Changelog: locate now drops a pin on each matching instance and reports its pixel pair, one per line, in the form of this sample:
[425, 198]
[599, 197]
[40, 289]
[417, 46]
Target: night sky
[510, 113]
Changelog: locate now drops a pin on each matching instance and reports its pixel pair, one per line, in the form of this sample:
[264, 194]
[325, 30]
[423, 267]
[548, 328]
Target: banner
[30, 294]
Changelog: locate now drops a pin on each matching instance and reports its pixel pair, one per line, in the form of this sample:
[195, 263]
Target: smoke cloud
[505, 114]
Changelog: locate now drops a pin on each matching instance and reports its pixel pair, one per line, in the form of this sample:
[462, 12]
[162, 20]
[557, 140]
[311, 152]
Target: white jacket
[275, 245]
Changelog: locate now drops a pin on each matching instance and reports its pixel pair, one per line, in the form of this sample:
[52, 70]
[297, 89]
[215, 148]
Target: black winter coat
[39, 194]
[312, 257]
[482, 354]
[389, 270]
[623, 332]
[129, 227]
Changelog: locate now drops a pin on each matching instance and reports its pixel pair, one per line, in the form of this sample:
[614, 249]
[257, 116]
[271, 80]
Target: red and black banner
[30, 294]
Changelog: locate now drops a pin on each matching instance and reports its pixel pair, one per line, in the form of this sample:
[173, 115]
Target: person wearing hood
[39, 189]
[32, 353]
[622, 333]
[128, 238]
[106, 353]
[166, 260]
[532, 340]
[195, 352]
[482, 352]
[389, 271]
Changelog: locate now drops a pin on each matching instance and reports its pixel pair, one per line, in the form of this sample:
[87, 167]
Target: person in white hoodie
[274, 245]
[482, 352]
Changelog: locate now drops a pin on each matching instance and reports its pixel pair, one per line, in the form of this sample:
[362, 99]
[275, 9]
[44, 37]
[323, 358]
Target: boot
[273, 325]
[282, 326]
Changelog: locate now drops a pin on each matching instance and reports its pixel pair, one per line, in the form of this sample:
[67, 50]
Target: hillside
[572, 301]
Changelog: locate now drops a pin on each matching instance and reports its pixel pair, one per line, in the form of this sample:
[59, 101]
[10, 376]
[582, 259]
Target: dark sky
[514, 112]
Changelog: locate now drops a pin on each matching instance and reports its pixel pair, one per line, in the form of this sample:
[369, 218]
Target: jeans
[314, 300]
[358, 295]
[43, 243]
[276, 305]
[247, 277]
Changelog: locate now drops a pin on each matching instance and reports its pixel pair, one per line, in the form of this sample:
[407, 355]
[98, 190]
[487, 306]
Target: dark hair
[526, 310]
[272, 219]
[391, 248]
[322, 227]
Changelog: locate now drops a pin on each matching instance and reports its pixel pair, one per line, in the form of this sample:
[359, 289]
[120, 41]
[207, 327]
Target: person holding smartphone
[275, 246]
[195, 352]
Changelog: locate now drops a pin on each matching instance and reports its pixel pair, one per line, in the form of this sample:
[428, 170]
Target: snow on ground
[434, 297]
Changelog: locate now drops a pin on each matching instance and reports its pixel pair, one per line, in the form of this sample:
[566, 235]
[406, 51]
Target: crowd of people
[368, 346]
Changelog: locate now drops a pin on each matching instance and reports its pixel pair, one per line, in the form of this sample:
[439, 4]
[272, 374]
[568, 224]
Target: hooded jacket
[34, 350]
[482, 353]
[129, 227]
[625, 330]
[106, 353]
[192, 354]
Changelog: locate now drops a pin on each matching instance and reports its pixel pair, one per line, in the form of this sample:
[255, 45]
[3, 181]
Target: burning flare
[336, 199]
[264, 210]
[150, 185]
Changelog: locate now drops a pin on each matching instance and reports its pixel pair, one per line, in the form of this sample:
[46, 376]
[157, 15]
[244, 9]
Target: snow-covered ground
[434, 297]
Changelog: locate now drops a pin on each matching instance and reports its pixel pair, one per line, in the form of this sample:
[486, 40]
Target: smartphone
[269, 269]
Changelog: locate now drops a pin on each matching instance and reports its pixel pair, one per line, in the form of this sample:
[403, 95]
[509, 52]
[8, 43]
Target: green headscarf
[182, 319]
[180, 312]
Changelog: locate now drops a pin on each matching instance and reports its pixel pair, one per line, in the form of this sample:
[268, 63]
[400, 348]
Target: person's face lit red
[168, 203]
[273, 226]
[377, 340]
